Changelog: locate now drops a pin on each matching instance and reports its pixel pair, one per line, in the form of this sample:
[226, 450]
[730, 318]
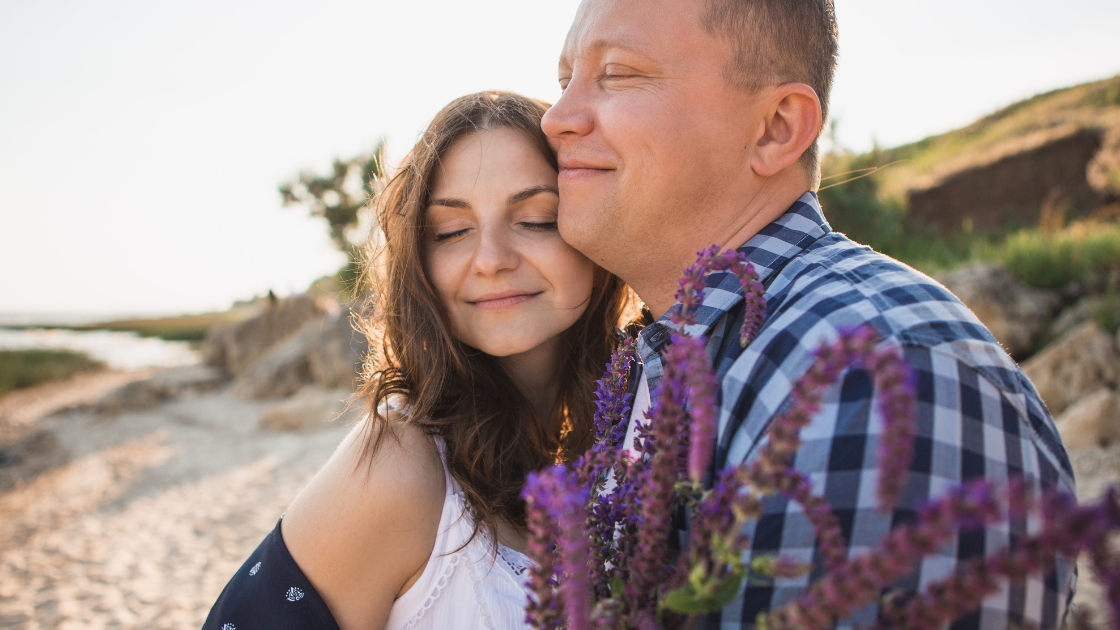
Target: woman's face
[509, 283]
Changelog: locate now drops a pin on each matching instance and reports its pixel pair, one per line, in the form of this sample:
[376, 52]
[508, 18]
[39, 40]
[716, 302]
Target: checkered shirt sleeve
[977, 414]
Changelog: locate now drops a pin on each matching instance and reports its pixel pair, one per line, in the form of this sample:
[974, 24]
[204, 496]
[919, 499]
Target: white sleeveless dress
[464, 585]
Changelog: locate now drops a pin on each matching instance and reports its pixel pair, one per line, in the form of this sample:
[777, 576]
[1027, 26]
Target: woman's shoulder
[406, 464]
[367, 522]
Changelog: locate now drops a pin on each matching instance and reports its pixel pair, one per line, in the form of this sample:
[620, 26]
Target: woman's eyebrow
[450, 203]
[518, 197]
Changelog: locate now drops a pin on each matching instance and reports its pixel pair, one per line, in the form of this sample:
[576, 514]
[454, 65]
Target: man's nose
[571, 115]
[496, 252]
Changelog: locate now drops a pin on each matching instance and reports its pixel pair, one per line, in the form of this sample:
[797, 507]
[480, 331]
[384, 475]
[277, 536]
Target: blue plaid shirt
[977, 414]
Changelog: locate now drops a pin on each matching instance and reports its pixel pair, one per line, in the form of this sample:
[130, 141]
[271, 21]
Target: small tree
[341, 197]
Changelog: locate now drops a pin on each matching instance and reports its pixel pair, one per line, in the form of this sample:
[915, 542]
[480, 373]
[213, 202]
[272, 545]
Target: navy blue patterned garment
[977, 414]
[269, 592]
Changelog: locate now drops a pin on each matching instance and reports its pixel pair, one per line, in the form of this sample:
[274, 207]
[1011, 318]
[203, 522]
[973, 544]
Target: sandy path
[149, 517]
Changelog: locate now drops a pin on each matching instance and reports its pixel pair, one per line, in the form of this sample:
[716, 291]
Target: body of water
[118, 350]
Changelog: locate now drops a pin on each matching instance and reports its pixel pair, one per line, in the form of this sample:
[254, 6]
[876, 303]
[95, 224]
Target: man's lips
[502, 300]
[575, 169]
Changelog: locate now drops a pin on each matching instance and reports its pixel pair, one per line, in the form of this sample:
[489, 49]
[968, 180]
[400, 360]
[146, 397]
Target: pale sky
[141, 142]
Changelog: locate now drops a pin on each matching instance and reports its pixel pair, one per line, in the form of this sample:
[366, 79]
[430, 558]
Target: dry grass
[1024, 125]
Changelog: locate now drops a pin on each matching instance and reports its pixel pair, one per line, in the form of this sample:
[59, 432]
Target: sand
[139, 519]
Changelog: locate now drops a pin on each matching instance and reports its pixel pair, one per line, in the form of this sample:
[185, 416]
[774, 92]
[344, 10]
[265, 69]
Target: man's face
[648, 131]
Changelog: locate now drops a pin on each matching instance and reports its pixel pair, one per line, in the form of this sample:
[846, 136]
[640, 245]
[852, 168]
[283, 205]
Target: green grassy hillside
[874, 209]
[1012, 129]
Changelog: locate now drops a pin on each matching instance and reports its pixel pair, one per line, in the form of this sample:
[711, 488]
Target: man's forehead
[638, 26]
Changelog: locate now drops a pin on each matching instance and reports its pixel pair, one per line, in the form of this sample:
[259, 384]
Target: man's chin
[591, 234]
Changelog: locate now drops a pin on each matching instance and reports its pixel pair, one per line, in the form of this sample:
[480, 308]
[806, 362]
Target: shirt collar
[769, 250]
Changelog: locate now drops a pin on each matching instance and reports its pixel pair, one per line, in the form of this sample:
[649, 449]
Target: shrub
[1049, 260]
[25, 368]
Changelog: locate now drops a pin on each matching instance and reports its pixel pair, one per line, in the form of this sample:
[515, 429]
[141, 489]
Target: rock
[160, 387]
[1099, 308]
[335, 351]
[192, 379]
[310, 408]
[1014, 312]
[135, 395]
[1092, 421]
[280, 372]
[1076, 365]
[235, 347]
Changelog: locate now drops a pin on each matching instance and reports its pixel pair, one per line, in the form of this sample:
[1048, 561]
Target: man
[687, 123]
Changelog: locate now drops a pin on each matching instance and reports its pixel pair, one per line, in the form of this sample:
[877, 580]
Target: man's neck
[733, 228]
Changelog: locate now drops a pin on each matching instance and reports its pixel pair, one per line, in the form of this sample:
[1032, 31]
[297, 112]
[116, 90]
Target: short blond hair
[779, 41]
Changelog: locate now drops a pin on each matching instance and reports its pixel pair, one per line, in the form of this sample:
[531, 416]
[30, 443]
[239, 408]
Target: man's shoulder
[835, 285]
[847, 284]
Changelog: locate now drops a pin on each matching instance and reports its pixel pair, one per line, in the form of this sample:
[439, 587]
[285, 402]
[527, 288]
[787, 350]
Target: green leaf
[713, 597]
[684, 600]
[696, 576]
[726, 592]
[617, 586]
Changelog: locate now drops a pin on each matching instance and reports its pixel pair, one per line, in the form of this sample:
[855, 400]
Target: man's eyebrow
[450, 203]
[599, 46]
[518, 197]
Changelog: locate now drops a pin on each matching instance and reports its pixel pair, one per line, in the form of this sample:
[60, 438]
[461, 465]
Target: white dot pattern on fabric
[228, 626]
[294, 594]
[255, 569]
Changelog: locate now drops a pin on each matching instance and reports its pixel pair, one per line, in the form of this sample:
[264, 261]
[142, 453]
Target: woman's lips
[502, 302]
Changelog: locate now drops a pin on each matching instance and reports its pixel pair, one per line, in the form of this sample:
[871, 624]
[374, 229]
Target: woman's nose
[496, 252]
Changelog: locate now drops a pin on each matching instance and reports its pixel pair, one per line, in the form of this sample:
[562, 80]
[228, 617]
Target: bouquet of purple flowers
[599, 528]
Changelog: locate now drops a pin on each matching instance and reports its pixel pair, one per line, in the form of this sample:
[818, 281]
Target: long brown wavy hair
[493, 436]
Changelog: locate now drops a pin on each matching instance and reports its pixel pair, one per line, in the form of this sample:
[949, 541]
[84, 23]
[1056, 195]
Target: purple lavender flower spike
[830, 540]
[663, 447]
[543, 610]
[692, 286]
[555, 495]
[1066, 529]
[858, 580]
[685, 360]
[607, 614]
[569, 510]
[612, 403]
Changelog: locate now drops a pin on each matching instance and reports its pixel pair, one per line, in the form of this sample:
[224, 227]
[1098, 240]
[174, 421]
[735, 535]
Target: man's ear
[791, 121]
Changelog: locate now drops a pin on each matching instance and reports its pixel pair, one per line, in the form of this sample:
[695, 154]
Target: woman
[491, 331]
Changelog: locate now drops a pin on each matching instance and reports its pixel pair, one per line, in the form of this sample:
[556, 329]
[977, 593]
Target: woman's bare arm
[362, 531]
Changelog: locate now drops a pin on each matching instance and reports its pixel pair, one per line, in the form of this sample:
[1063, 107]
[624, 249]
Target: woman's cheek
[578, 276]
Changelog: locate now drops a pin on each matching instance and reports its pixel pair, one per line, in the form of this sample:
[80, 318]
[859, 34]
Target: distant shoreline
[172, 327]
[71, 320]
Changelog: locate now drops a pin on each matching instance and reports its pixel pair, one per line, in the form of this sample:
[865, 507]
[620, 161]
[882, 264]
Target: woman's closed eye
[542, 226]
[446, 236]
